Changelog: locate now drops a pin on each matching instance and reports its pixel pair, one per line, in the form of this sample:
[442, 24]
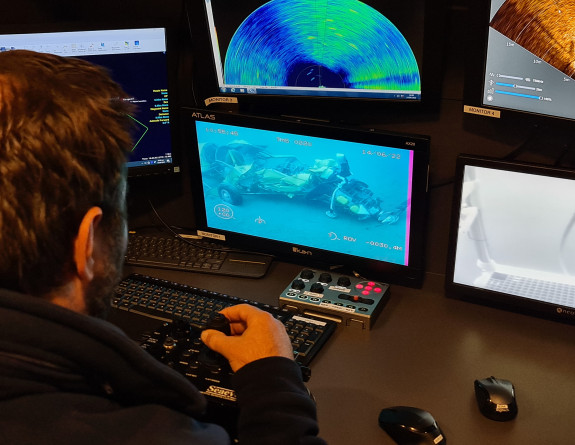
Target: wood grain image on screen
[543, 27]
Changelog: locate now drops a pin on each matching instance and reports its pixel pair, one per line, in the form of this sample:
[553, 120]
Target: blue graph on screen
[321, 44]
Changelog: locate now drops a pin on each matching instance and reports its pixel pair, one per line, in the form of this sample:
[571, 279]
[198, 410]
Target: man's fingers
[213, 339]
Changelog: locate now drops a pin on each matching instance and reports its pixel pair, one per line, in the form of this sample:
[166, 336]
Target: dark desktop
[500, 81]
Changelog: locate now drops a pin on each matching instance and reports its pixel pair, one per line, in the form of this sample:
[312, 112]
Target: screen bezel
[172, 61]
[411, 275]
[327, 108]
[487, 297]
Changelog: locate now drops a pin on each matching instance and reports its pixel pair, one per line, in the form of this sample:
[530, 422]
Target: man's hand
[255, 334]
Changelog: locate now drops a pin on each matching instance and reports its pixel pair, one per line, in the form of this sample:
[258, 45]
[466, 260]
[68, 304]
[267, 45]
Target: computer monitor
[512, 240]
[265, 51]
[313, 194]
[139, 59]
[520, 59]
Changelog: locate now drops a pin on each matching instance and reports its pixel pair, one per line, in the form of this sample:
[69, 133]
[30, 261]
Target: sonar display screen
[338, 48]
[530, 61]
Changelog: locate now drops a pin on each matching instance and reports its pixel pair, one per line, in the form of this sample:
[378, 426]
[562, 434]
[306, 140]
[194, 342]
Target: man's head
[64, 138]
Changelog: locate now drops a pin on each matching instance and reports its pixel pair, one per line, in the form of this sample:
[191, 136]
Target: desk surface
[426, 350]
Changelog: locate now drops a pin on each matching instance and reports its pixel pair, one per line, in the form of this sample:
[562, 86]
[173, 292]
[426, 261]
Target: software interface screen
[516, 234]
[338, 196]
[336, 48]
[136, 59]
[530, 62]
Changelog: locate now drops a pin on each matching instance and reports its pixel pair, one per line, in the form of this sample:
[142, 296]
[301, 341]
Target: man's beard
[108, 272]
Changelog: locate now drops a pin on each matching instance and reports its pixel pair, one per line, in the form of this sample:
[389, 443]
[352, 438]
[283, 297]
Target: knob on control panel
[317, 288]
[343, 281]
[298, 284]
[306, 274]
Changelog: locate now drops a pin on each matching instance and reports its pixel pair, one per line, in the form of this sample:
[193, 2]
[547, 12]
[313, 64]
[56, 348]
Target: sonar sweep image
[545, 28]
[321, 44]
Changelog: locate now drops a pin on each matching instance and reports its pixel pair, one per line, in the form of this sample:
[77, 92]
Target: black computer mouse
[496, 398]
[410, 426]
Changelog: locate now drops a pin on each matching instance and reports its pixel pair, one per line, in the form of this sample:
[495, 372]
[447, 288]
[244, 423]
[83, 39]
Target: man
[67, 376]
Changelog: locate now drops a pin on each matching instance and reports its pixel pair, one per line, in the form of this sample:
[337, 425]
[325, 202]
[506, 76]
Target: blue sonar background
[331, 44]
[303, 222]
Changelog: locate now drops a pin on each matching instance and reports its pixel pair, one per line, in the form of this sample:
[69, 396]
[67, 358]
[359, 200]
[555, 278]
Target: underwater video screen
[339, 196]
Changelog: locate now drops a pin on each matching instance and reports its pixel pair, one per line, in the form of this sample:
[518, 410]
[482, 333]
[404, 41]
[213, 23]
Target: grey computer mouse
[407, 425]
[496, 398]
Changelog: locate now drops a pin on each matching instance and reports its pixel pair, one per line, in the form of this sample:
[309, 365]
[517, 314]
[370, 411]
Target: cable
[446, 183]
[200, 245]
[191, 35]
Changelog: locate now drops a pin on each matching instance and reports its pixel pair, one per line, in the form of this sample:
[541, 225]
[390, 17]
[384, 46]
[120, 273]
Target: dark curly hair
[64, 138]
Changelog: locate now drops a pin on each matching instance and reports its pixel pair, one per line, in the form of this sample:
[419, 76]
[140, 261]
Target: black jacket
[69, 379]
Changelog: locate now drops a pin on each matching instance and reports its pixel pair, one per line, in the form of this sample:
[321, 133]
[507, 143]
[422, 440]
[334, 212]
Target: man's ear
[84, 244]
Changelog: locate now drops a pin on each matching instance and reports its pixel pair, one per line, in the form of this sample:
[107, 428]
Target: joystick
[344, 298]
[219, 322]
[212, 359]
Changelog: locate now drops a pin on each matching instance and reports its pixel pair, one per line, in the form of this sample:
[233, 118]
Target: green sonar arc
[143, 134]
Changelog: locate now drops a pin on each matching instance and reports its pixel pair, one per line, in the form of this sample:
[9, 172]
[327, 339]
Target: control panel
[178, 345]
[347, 299]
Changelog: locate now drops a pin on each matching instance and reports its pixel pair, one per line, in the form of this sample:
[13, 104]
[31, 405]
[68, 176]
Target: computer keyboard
[169, 301]
[167, 251]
